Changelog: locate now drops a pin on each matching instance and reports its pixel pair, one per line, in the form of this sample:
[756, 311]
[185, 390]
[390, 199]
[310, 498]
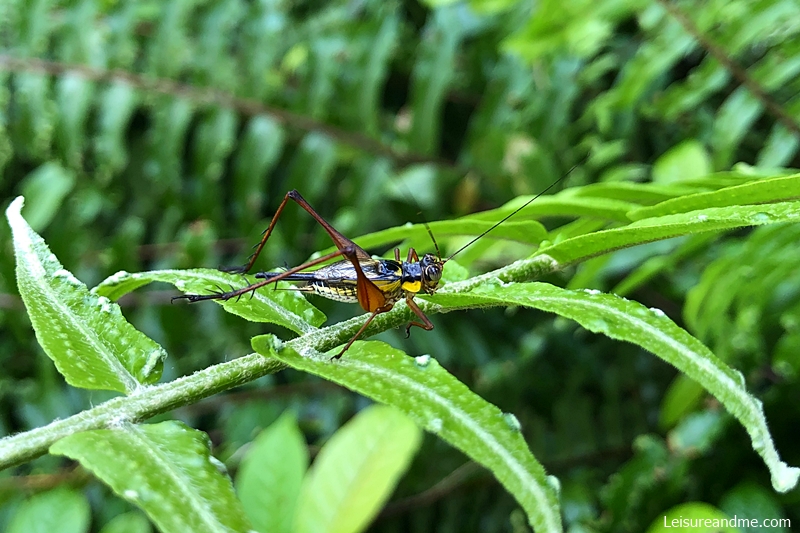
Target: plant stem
[153, 400]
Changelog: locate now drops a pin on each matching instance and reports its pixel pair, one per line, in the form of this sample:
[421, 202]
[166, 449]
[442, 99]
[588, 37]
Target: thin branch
[735, 69]
[17, 484]
[452, 482]
[153, 400]
[212, 97]
[213, 404]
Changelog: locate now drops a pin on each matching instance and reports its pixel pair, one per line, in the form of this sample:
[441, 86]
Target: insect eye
[433, 273]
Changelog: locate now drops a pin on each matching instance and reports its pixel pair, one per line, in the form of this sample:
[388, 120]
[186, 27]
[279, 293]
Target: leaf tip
[15, 208]
[784, 477]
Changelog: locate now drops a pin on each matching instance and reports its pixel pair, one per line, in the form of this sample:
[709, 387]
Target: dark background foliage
[151, 135]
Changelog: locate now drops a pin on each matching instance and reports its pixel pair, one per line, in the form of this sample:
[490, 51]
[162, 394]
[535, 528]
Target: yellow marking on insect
[412, 286]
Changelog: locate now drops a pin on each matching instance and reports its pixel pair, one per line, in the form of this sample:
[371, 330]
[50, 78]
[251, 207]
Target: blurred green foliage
[151, 135]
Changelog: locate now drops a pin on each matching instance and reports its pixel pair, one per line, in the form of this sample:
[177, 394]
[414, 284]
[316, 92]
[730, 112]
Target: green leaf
[637, 193]
[75, 95]
[569, 203]
[755, 192]
[688, 159]
[259, 150]
[356, 472]
[697, 517]
[86, 336]
[525, 231]
[752, 501]
[441, 404]
[133, 522]
[269, 478]
[283, 307]
[62, 510]
[433, 72]
[165, 469]
[116, 104]
[697, 432]
[46, 187]
[665, 227]
[651, 329]
[682, 397]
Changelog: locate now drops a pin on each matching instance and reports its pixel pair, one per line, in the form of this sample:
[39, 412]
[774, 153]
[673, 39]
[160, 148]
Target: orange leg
[426, 324]
[386, 308]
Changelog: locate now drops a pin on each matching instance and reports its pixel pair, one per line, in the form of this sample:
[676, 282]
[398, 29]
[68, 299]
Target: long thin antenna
[410, 196]
[517, 210]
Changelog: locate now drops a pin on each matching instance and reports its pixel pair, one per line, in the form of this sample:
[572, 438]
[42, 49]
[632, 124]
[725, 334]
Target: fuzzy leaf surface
[85, 335]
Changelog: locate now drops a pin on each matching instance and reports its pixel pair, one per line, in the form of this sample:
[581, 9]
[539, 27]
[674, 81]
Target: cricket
[375, 284]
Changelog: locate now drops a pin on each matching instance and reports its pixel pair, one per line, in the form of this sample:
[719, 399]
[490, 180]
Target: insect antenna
[409, 196]
[517, 210]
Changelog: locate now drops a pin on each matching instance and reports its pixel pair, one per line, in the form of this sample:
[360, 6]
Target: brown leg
[259, 284]
[426, 324]
[397, 254]
[375, 313]
[412, 256]
[339, 240]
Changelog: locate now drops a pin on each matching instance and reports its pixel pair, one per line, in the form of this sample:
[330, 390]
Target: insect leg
[397, 254]
[426, 324]
[340, 240]
[253, 286]
[252, 259]
[375, 313]
[412, 256]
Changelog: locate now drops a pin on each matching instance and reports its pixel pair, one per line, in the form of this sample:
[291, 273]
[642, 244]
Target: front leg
[426, 324]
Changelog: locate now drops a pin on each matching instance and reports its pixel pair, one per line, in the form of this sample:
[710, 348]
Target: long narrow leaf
[665, 227]
[286, 308]
[86, 336]
[623, 319]
[755, 192]
[166, 469]
[356, 471]
[441, 404]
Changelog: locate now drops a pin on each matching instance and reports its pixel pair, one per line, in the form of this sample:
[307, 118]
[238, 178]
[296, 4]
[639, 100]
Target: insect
[375, 284]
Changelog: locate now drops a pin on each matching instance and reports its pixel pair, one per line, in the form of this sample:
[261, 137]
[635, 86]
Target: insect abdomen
[340, 293]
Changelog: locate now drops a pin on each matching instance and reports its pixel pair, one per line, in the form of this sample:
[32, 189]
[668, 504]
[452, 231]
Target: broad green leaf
[697, 517]
[165, 469]
[441, 404]
[287, 308]
[86, 336]
[133, 522]
[651, 329]
[269, 478]
[688, 159]
[664, 227]
[62, 510]
[45, 188]
[755, 192]
[356, 472]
